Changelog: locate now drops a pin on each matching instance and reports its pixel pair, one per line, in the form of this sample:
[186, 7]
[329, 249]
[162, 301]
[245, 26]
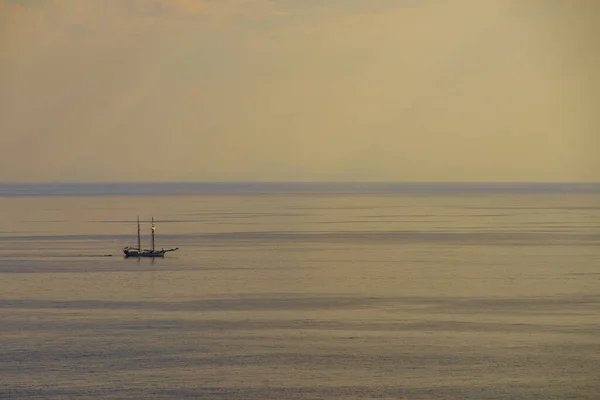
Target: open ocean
[301, 291]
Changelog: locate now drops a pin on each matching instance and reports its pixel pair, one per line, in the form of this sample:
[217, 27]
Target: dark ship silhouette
[138, 252]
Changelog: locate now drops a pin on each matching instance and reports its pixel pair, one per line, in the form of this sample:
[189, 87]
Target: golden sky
[295, 90]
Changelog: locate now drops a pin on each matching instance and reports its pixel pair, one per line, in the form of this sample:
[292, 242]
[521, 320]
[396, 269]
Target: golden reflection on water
[302, 297]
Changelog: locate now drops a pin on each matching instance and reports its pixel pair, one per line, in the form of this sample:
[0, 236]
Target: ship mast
[153, 228]
[139, 242]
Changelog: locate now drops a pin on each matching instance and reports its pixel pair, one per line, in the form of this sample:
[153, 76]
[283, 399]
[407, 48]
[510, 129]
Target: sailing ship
[138, 252]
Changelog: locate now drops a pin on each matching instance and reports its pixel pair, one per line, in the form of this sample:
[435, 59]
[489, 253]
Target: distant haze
[299, 90]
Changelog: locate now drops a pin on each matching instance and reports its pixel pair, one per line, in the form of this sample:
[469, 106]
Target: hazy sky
[271, 90]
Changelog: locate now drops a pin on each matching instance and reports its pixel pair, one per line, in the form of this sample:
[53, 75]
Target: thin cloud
[295, 90]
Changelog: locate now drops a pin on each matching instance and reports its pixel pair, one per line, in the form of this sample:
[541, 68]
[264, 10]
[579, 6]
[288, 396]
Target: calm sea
[301, 291]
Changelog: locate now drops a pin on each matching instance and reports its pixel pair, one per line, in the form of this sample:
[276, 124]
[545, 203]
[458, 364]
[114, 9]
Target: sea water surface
[301, 291]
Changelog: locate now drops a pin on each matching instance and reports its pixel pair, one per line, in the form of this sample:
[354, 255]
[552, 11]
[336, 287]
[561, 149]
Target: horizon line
[292, 182]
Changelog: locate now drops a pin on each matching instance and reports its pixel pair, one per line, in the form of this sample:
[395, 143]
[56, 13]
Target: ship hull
[145, 253]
